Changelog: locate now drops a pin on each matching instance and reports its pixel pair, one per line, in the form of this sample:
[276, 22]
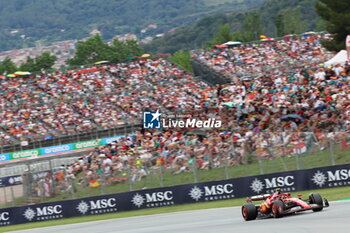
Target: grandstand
[278, 102]
[45, 106]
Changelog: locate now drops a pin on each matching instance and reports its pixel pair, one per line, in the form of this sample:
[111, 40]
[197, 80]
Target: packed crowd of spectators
[255, 124]
[44, 106]
[280, 78]
[281, 94]
[281, 102]
[270, 57]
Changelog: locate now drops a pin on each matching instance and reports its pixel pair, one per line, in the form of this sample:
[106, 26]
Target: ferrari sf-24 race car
[279, 204]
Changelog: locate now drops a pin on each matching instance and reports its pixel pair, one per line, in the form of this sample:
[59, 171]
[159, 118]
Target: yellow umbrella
[11, 75]
[101, 62]
[23, 73]
[146, 55]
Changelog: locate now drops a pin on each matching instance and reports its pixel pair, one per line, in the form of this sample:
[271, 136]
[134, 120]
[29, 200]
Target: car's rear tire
[249, 211]
[278, 208]
[315, 198]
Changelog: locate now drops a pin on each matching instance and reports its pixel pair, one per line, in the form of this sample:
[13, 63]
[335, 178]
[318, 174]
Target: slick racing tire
[249, 211]
[278, 208]
[316, 198]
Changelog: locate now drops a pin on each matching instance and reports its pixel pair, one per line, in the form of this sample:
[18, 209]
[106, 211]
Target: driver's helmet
[278, 190]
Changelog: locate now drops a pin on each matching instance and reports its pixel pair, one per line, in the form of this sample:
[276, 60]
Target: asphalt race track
[334, 219]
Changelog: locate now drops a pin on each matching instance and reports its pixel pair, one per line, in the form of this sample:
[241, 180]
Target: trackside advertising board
[324, 177]
[56, 150]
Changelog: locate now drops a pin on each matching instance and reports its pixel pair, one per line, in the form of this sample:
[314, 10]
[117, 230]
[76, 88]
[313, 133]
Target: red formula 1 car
[279, 204]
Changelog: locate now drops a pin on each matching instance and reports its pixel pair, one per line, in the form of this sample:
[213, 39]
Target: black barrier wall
[324, 177]
[208, 74]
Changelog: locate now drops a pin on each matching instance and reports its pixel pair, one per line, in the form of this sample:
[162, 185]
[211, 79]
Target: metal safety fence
[77, 177]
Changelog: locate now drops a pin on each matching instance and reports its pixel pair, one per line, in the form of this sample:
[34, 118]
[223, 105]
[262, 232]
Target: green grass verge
[331, 194]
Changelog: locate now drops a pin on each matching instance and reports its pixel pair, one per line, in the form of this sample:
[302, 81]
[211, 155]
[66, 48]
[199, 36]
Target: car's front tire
[315, 198]
[249, 211]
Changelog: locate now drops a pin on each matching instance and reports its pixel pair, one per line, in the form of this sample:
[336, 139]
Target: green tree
[289, 21]
[42, 62]
[133, 48]
[321, 25]
[237, 36]
[45, 61]
[293, 23]
[91, 51]
[123, 49]
[2, 70]
[7, 66]
[29, 65]
[94, 49]
[183, 59]
[222, 36]
[337, 15]
[252, 27]
[280, 27]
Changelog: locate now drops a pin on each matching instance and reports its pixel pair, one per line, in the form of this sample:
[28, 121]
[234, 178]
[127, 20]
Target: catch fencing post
[129, 179]
[5, 196]
[87, 187]
[195, 171]
[261, 166]
[42, 191]
[172, 173]
[53, 188]
[331, 149]
[13, 196]
[298, 151]
[226, 166]
[297, 160]
[1, 203]
[29, 184]
[103, 182]
[161, 175]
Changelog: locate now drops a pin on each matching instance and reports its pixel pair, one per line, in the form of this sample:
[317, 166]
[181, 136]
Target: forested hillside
[22, 22]
[275, 18]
